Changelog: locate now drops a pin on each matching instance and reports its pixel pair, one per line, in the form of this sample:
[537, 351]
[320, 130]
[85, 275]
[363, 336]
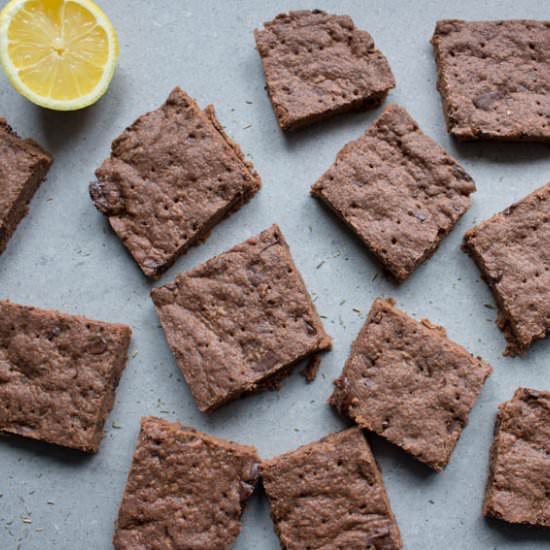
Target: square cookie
[23, 167]
[406, 381]
[518, 490]
[185, 490]
[317, 65]
[493, 78]
[397, 190]
[330, 494]
[172, 176]
[58, 375]
[238, 322]
[512, 251]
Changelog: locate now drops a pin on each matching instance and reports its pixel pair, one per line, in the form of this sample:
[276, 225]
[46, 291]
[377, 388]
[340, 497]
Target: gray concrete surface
[63, 256]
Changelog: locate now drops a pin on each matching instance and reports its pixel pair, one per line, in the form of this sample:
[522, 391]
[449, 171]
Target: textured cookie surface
[494, 78]
[185, 490]
[397, 190]
[317, 65]
[406, 381]
[239, 319]
[518, 490]
[511, 250]
[330, 494]
[172, 176]
[58, 375]
[23, 166]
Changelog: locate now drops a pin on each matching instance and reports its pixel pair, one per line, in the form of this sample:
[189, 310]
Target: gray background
[63, 256]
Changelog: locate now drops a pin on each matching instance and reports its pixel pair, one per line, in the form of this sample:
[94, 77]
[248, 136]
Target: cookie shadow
[272, 390]
[520, 534]
[30, 449]
[61, 128]
[257, 512]
[502, 152]
[340, 124]
[395, 457]
[538, 351]
[64, 129]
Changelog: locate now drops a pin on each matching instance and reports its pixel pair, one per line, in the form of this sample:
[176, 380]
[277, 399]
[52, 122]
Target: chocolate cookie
[172, 176]
[185, 490]
[238, 322]
[58, 375]
[317, 65]
[511, 250]
[406, 381]
[23, 167]
[493, 77]
[330, 494]
[518, 490]
[397, 190]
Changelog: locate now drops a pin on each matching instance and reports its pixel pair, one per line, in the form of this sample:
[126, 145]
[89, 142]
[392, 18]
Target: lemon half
[59, 54]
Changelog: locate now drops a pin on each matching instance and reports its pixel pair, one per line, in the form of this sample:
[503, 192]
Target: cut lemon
[59, 54]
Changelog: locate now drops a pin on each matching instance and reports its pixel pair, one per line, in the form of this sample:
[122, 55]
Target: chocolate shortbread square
[171, 177]
[493, 78]
[185, 489]
[397, 190]
[23, 167]
[330, 494]
[512, 251]
[237, 323]
[518, 490]
[58, 374]
[406, 381]
[317, 65]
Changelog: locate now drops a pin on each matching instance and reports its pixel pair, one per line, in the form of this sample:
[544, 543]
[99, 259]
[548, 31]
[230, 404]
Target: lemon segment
[59, 54]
